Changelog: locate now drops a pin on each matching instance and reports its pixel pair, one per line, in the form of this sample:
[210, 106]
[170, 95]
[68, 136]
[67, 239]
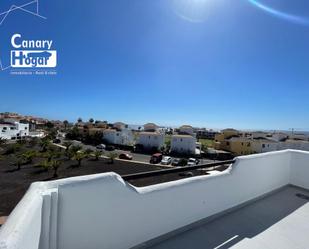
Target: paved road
[136, 156]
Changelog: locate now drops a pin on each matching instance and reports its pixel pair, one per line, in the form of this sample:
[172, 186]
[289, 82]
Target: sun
[193, 10]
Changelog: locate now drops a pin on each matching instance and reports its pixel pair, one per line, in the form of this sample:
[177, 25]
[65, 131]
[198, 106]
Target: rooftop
[279, 220]
[259, 201]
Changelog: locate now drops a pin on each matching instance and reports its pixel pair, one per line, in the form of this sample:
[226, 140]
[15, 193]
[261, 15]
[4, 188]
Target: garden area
[31, 160]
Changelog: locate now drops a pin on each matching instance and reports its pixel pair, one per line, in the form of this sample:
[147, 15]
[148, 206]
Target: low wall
[22, 229]
[103, 211]
[108, 213]
[300, 169]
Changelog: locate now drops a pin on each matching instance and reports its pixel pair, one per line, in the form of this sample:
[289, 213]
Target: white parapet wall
[102, 211]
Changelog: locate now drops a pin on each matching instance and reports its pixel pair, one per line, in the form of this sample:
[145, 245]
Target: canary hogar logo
[32, 53]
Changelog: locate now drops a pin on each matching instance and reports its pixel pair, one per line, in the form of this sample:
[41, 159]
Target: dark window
[263, 145]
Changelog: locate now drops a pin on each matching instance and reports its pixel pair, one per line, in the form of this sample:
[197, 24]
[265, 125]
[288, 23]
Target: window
[242, 143]
[180, 139]
[248, 145]
[263, 145]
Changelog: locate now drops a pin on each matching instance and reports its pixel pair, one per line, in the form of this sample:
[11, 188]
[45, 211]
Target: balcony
[260, 201]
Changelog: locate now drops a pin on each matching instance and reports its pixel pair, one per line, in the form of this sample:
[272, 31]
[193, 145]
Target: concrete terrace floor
[278, 221]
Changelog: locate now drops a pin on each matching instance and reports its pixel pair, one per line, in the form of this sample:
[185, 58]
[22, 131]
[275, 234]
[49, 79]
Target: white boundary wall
[102, 211]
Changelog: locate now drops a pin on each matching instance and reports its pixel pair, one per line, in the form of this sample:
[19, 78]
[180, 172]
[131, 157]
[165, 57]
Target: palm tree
[55, 164]
[112, 156]
[44, 143]
[44, 165]
[88, 152]
[97, 154]
[13, 148]
[79, 156]
[79, 120]
[67, 145]
[33, 142]
[21, 141]
[51, 154]
[19, 162]
[91, 120]
[28, 156]
[66, 123]
[75, 148]
[2, 141]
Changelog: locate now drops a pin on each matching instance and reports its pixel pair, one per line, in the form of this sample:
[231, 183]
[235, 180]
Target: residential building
[259, 201]
[256, 142]
[151, 138]
[278, 136]
[260, 145]
[14, 130]
[186, 129]
[119, 135]
[183, 144]
[150, 127]
[206, 134]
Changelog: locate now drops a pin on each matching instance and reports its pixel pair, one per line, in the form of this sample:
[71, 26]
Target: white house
[150, 140]
[119, 126]
[13, 130]
[151, 127]
[279, 136]
[116, 136]
[186, 129]
[184, 144]
[263, 145]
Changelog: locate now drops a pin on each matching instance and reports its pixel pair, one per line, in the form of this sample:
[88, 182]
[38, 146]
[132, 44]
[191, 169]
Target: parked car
[110, 147]
[166, 160]
[193, 161]
[126, 156]
[179, 162]
[101, 147]
[156, 158]
[56, 141]
[175, 161]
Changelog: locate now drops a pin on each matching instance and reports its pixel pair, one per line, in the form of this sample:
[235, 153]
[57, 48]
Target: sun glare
[193, 10]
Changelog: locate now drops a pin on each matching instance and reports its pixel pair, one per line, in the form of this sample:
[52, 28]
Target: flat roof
[279, 220]
[150, 133]
[182, 135]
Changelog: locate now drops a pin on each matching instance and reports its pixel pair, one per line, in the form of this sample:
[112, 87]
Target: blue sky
[223, 63]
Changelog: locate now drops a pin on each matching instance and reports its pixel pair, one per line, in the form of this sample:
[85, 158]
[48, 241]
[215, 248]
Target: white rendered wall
[149, 140]
[124, 216]
[102, 211]
[183, 144]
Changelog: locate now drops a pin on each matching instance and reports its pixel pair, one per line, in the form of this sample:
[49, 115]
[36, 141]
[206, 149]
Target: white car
[193, 161]
[166, 160]
[101, 147]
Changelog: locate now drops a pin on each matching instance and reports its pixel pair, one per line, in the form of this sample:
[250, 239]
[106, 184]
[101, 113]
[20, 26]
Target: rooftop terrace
[279, 220]
[260, 201]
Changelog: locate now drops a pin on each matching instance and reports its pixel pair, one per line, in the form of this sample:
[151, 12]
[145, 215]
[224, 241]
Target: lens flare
[280, 14]
[193, 10]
